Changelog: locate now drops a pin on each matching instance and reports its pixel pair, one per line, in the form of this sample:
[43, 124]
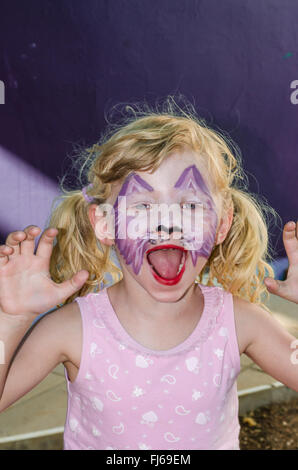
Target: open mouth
[167, 263]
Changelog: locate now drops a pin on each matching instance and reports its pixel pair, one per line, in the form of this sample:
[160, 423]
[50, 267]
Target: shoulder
[65, 316]
[64, 326]
[249, 317]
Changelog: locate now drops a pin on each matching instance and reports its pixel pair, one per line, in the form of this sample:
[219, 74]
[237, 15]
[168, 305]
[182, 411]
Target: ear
[102, 224]
[225, 225]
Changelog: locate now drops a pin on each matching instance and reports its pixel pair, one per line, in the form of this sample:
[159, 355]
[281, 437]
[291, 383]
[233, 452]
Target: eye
[190, 205]
[141, 206]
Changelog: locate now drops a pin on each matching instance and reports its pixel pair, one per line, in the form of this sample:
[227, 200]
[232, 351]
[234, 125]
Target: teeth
[180, 267]
[181, 264]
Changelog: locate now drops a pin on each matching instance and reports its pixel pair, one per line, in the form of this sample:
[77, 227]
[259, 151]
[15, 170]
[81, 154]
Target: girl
[151, 362]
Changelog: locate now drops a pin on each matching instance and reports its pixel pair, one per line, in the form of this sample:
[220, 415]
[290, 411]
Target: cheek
[131, 241]
[201, 241]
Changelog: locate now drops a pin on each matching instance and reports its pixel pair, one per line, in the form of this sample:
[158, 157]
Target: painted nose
[163, 228]
[164, 233]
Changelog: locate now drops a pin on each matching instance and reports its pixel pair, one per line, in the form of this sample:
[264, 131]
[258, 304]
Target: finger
[45, 244]
[68, 288]
[290, 240]
[276, 287]
[5, 251]
[13, 240]
[27, 246]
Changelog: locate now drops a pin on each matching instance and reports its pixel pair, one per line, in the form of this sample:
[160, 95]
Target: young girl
[151, 362]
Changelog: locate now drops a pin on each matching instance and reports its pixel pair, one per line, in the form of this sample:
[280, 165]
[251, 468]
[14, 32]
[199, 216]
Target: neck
[139, 303]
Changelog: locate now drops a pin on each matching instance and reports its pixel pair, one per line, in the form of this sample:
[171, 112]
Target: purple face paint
[191, 180]
[133, 250]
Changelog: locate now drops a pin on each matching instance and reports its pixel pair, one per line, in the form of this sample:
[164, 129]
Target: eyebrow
[134, 184]
[191, 179]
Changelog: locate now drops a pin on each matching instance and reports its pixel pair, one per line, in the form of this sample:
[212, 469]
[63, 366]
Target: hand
[288, 289]
[26, 286]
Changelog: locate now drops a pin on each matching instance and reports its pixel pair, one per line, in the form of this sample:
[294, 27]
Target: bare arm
[262, 338]
[55, 339]
[26, 289]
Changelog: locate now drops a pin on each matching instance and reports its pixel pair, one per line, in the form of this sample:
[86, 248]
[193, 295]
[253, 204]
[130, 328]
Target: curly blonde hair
[139, 142]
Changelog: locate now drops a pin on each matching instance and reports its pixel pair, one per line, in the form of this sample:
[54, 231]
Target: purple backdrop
[65, 63]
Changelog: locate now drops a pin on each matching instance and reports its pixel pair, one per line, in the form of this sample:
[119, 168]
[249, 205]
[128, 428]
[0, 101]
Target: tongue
[166, 262]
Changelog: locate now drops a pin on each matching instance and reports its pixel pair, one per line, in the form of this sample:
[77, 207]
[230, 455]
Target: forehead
[169, 172]
[166, 181]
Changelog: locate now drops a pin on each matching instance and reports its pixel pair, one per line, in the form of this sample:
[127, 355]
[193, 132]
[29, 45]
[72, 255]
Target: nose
[170, 230]
[165, 233]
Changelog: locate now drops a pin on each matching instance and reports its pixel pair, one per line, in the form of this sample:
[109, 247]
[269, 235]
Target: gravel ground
[272, 427]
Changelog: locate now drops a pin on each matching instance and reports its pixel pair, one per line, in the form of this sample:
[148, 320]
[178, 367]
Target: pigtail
[241, 262]
[76, 246]
[140, 141]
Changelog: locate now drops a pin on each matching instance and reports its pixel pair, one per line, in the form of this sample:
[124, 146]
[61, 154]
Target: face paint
[133, 250]
[191, 180]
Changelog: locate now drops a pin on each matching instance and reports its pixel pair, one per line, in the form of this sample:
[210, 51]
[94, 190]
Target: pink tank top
[127, 396]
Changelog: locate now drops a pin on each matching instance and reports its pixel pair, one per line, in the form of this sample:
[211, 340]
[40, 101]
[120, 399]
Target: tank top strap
[227, 327]
[213, 305]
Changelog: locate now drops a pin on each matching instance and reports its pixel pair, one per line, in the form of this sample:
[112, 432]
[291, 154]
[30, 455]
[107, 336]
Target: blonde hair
[139, 142]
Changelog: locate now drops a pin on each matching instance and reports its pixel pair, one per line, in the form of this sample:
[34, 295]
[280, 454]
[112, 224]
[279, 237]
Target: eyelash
[148, 206]
[190, 204]
[142, 204]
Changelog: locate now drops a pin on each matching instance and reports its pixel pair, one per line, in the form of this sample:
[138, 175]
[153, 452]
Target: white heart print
[143, 362]
[192, 364]
[97, 403]
[202, 418]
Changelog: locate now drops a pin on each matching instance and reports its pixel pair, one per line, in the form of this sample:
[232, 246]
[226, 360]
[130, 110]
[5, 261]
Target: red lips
[162, 280]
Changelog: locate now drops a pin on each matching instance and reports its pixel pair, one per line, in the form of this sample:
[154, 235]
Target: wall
[65, 63]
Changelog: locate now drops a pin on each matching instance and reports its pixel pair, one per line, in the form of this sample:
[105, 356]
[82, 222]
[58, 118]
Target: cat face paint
[132, 250]
[191, 181]
[190, 186]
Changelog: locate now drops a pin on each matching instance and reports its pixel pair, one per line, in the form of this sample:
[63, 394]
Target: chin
[168, 296]
[167, 293]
